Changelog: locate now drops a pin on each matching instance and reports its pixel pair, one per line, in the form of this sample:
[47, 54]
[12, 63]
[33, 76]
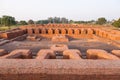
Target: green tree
[30, 22]
[8, 20]
[116, 23]
[71, 21]
[0, 21]
[50, 19]
[53, 20]
[42, 22]
[56, 20]
[23, 23]
[101, 21]
[64, 20]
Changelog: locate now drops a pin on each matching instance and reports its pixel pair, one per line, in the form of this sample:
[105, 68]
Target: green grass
[4, 28]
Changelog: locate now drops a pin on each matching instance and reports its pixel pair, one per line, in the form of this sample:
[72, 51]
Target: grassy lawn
[4, 28]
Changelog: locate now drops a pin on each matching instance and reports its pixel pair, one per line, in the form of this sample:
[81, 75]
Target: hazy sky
[71, 9]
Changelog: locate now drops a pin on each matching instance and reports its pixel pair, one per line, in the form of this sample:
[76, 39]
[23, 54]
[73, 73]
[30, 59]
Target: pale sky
[71, 9]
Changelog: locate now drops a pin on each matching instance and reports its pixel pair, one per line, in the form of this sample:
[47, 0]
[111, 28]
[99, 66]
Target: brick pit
[60, 52]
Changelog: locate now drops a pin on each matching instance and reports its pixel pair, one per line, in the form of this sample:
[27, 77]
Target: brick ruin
[60, 61]
[76, 31]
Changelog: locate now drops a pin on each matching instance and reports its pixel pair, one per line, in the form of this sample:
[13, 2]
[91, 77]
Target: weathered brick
[3, 52]
[72, 54]
[59, 47]
[18, 53]
[100, 54]
[46, 54]
[116, 52]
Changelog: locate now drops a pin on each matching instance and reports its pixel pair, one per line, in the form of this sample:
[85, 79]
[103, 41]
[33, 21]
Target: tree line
[53, 20]
[9, 21]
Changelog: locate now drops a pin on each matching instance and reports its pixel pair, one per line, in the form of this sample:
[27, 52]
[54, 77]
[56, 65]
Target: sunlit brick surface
[60, 52]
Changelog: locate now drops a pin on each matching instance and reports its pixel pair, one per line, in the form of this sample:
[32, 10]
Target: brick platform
[72, 54]
[100, 54]
[59, 38]
[59, 47]
[66, 54]
[12, 34]
[59, 70]
[116, 52]
[31, 38]
[3, 52]
[56, 61]
[18, 54]
[46, 54]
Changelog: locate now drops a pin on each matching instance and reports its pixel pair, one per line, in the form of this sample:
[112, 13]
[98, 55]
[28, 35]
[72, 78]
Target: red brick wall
[59, 70]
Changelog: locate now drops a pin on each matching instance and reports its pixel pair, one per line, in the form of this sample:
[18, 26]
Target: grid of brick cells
[59, 62]
[60, 51]
[77, 31]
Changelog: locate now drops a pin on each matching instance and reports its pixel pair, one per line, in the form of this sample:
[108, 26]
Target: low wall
[75, 32]
[12, 34]
[34, 69]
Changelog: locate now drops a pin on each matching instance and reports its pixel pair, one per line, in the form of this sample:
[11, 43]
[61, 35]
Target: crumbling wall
[75, 31]
[12, 34]
[59, 70]
[19, 65]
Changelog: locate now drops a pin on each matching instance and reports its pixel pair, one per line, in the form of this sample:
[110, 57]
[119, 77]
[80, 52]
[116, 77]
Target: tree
[57, 20]
[64, 20]
[71, 21]
[45, 21]
[0, 21]
[53, 20]
[50, 19]
[42, 22]
[23, 23]
[30, 22]
[116, 23]
[8, 20]
[101, 21]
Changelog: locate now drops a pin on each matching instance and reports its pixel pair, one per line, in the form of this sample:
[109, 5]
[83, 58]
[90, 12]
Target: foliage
[42, 22]
[101, 21]
[85, 22]
[0, 20]
[116, 23]
[64, 20]
[10, 21]
[71, 21]
[30, 22]
[53, 20]
[23, 22]
[7, 20]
